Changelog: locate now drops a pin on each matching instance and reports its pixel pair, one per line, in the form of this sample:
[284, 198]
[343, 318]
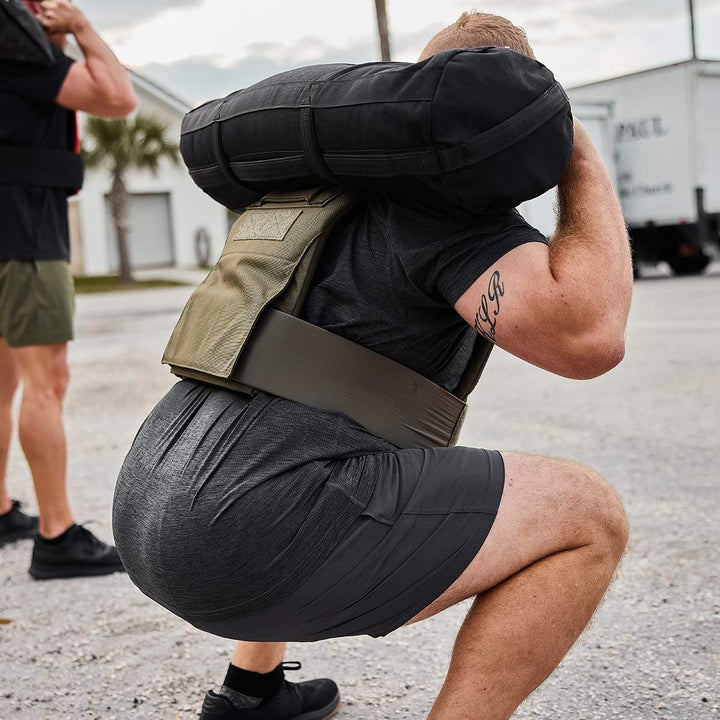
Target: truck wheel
[689, 264]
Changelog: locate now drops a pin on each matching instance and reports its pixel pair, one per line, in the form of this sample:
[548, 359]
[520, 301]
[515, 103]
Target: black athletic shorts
[428, 517]
[262, 519]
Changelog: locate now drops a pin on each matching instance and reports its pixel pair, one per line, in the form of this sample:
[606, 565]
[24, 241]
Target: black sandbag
[22, 37]
[465, 129]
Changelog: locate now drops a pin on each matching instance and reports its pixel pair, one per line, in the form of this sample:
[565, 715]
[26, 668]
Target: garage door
[151, 237]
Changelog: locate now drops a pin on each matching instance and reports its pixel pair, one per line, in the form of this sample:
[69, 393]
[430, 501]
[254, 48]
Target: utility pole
[692, 28]
[382, 22]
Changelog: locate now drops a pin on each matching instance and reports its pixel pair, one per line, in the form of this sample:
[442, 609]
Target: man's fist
[60, 16]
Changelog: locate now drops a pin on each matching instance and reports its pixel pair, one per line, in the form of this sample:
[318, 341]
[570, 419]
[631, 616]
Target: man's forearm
[107, 72]
[590, 252]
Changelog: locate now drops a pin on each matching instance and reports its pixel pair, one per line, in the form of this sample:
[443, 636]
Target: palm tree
[121, 145]
[383, 29]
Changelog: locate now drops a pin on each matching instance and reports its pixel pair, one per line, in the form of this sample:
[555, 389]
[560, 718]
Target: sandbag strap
[291, 358]
[221, 159]
[507, 133]
[40, 167]
[311, 150]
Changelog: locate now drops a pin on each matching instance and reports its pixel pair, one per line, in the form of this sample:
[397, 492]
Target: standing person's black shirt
[33, 220]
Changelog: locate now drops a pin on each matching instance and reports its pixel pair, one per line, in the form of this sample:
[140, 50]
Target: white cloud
[580, 40]
[227, 29]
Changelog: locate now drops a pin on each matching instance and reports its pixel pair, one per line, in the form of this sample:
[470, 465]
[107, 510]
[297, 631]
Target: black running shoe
[16, 525]
[77, 554]
[311, 700]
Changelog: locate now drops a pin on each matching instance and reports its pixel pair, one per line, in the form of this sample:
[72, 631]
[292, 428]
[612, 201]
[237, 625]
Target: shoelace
[86, 535]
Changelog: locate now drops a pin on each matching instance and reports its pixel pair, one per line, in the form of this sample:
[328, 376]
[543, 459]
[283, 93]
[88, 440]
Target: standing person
[263, 520]
[36, 290]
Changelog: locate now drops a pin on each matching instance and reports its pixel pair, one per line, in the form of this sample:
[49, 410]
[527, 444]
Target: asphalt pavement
[97, 648]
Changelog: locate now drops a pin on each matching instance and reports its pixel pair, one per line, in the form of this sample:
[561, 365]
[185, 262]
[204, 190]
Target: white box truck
[661, 142]
[667, 149]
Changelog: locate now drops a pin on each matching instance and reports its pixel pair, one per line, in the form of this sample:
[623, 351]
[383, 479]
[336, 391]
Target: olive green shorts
[37, 302]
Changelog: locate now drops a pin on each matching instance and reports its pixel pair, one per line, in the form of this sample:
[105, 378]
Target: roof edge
[646, 70]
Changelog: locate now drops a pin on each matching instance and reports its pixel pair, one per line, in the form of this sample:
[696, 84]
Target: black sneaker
[76, 553]
[16, 525]
[311, 700]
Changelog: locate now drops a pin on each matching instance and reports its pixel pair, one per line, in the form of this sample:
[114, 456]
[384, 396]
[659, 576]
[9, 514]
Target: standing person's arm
[100, 85]
[563, 307]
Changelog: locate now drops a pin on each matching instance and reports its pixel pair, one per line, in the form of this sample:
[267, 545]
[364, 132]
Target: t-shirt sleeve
[36, 82]
[465, 256]
[444, 255]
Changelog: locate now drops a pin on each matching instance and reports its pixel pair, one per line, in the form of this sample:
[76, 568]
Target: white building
[167, 210]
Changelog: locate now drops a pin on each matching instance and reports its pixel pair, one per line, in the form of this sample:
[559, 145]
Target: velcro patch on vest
[266, 224]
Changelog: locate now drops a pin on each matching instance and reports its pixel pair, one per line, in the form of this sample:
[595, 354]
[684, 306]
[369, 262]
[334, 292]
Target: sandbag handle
[310, 147]
[223, 163]
[507, 133]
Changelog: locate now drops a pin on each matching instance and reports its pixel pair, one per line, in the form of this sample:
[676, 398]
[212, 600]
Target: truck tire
[689, 264]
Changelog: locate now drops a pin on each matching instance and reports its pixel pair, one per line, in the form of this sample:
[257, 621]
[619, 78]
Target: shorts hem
[40, 340]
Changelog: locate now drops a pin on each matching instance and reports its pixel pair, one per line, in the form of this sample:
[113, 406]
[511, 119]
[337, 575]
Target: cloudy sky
[200, 49]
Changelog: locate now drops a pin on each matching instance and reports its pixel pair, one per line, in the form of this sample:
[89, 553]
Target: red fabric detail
[76, 132]
[33, 7]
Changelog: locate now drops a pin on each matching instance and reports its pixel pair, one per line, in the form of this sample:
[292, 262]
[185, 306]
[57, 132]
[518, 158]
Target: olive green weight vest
[239, 330]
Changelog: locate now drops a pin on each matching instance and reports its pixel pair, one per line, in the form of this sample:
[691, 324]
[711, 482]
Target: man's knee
[602, 510]
[45, 372]
[564, 504]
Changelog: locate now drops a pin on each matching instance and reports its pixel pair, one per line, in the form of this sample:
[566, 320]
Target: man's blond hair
[477, 29]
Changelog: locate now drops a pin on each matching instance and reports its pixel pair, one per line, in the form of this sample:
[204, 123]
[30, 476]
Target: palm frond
[121, 144]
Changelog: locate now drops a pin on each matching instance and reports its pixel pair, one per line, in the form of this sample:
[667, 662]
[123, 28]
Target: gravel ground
[97, 648]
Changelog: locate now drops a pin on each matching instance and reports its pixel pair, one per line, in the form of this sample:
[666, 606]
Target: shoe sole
[55, 572]
[323, 713]
[16, 535]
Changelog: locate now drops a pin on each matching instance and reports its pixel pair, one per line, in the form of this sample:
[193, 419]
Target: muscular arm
[100, 85]
[563, 307]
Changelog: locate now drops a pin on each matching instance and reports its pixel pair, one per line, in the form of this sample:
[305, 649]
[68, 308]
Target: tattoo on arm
[487, 314]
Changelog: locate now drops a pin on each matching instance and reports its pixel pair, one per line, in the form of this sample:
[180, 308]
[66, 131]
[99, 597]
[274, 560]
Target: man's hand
[100, 85]
[59, 17]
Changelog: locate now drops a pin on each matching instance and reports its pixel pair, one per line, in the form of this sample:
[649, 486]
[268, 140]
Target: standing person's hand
[59, 17]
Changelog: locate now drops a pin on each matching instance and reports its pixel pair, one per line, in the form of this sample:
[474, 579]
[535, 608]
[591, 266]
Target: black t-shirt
[34, 219]
[390, 275]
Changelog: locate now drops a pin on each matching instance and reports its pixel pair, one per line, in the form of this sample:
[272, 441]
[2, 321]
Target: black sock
[259, 685]
[58, 539]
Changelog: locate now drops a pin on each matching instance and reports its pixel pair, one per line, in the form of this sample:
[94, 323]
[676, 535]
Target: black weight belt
[40, 167]
[294, 359]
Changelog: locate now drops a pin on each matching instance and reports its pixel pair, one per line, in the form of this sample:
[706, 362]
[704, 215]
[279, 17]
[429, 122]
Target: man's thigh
[548, 505]
[9, 373]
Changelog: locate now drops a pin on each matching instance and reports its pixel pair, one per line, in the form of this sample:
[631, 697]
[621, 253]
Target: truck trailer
[664, 156]
[667, 150]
